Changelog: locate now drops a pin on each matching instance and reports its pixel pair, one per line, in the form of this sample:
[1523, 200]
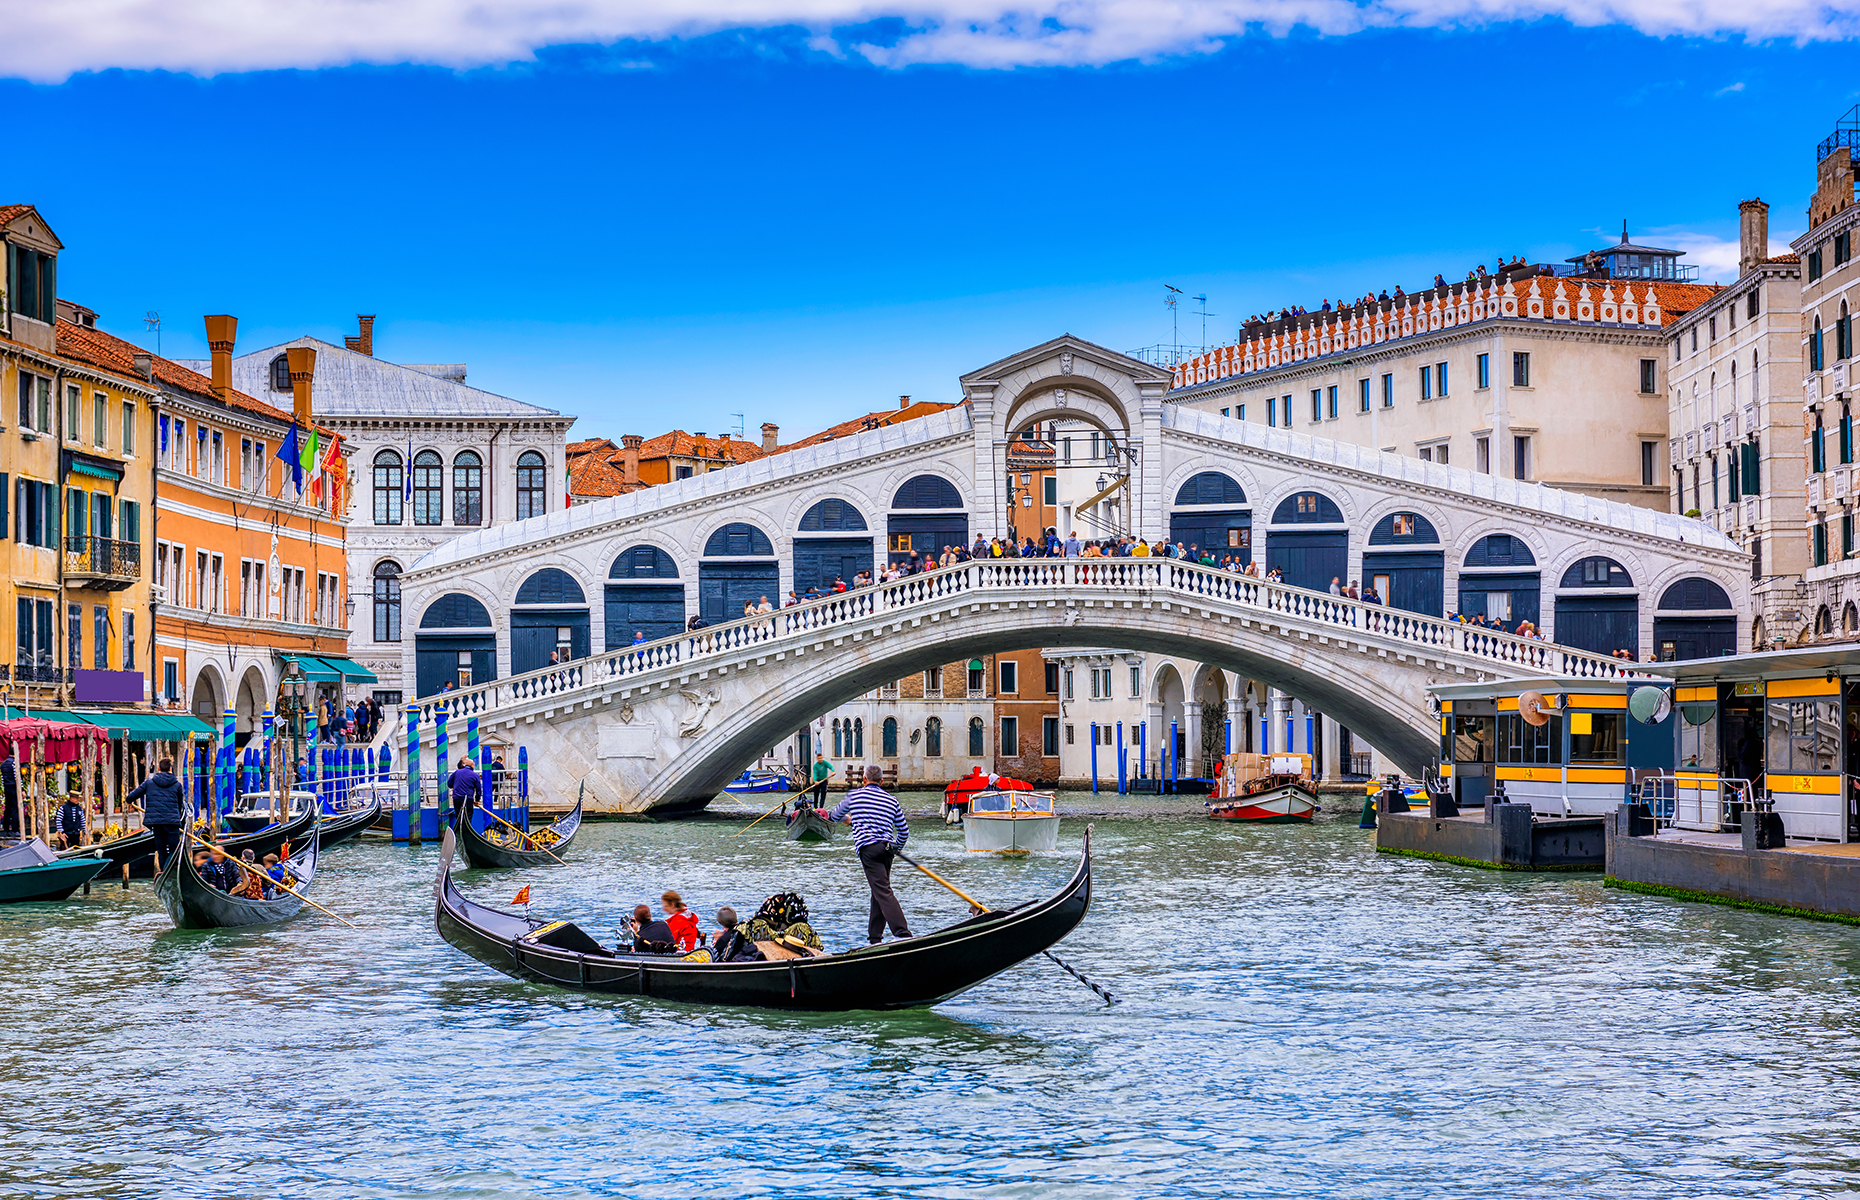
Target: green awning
[975, 664]
[150, 726]
[330, 669]
[349, 669]
[80, 467]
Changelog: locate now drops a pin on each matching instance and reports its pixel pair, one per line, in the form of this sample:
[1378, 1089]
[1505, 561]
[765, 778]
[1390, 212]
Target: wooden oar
[520, 833]
[745, 829]
[243, 866]
[978, 906]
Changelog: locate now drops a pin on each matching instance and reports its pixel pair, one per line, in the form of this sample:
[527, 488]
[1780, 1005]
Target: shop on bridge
[1308, 541]
[456, 644]
[643, 595]
[927, 514]
[1598, 608]
[1405, 564]
[1211, 512]
[832, 543]
[1499, 580]
[739, 568]
[549, 621]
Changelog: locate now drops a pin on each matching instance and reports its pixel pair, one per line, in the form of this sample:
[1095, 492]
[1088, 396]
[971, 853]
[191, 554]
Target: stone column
[1146, 500]
[986, 518]
[1155, 730]
[1191, 732]
[1281, 713]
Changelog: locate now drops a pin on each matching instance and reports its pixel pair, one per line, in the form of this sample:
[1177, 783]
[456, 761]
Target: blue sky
[670, 230]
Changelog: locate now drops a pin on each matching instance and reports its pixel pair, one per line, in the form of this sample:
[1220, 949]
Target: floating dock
[1819, 880]
[1502, 837]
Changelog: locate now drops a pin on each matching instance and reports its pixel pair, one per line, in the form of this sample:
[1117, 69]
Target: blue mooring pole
[1143, 750]
[1122, 777]
[1175, 760]
[1094, 758]
[413, 774]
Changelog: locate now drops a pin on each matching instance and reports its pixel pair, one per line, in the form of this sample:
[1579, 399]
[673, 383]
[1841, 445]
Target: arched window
[1596, 572]
[1307, 508]
[933, 738]
[1824, 622]
[1850, 619]
[888, 737]
[975, 737]
[836, 739]
[429, 488]
[387, 601]
[858, 737]
[388, 486]
[832, 516]
[532, 485]
[281, 374]
[1843, 334]
[467, 488]
[927, 491]
[1814, 347]
[1211, 487]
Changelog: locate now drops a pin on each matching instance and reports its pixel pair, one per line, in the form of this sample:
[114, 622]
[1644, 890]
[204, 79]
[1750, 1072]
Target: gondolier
[162, 809]
[823, 771]
[879, 832]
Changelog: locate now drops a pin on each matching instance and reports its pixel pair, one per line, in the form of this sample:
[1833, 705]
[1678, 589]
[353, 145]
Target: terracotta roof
[99, 349]
[1678, 299]
[873, 420]
[680, 444]
[1784, 258]
[594, 476]
[9, 211]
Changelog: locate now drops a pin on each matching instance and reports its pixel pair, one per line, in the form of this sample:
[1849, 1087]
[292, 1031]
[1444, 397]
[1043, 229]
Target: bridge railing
[785, 628]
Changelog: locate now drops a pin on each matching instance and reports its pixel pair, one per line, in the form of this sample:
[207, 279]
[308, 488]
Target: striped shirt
[876, 817]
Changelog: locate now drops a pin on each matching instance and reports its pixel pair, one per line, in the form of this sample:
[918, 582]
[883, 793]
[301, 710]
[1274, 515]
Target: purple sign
[109, 687]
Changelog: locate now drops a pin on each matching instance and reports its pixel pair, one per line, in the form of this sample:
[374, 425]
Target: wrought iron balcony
[44, 673]
[102, 562]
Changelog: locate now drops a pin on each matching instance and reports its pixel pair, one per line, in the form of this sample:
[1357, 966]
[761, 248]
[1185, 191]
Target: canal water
[1300, 1017]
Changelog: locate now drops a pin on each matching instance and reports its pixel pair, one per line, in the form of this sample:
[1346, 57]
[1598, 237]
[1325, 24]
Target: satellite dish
[1650, 705]
[1534, 708]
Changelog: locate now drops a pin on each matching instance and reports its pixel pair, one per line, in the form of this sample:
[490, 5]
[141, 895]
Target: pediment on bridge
[1073, 355]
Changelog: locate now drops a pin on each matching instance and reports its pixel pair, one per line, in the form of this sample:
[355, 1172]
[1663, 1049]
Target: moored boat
[757, 780]
[193, 903]
[269, 840]
[30, 871]
[1266, 790]
[1011, 822]
[253, 810]
[134, 850]
[353, 814]
[909, 973]
[500, 846]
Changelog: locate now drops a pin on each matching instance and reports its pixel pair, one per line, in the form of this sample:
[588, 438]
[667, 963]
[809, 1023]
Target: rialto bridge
[669, 722]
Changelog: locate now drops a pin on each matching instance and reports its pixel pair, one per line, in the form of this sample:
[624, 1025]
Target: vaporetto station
[665, 724]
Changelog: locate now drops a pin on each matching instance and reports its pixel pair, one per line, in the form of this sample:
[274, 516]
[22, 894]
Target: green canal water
[1301, 1017]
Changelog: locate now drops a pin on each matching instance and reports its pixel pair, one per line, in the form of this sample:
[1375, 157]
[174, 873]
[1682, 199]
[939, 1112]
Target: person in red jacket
[683, 922]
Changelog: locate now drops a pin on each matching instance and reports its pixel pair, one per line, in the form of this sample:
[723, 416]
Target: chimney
[302, 361]
[221, 332]
[364, 341]
[769, 439]
[629, 458]
[1753, 234]
[904, 402]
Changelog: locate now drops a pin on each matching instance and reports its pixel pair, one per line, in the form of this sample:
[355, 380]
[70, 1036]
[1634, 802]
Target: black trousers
[167, 838]
[877, 860]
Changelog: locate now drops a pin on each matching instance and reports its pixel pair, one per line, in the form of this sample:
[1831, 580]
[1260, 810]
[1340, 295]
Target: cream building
[1736, 450]
[1548, 374]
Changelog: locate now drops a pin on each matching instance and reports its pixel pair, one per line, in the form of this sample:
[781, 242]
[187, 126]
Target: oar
[280, 884]
[980, 907]
[745, 829]
[526, 837]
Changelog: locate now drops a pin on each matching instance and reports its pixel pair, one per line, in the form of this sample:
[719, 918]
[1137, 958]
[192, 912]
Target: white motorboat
[1011, 822]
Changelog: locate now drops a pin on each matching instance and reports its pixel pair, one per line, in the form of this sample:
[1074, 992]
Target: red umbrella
[970, 784]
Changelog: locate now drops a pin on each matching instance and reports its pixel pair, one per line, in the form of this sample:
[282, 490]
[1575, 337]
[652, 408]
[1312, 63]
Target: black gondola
[295, 830]
[911, 973]
[809, 824]
[192, 903]
[481, 851]
[135, 850]
[336, 828]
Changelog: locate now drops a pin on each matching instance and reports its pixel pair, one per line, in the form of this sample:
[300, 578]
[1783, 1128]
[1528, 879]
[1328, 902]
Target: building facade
[431, 458]
[1736, 451]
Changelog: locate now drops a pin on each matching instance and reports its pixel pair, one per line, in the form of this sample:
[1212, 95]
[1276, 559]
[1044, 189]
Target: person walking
[162, 809]
[879, 832]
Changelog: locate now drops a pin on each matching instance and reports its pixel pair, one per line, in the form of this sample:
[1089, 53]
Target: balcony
[29, 673]
[102, 563]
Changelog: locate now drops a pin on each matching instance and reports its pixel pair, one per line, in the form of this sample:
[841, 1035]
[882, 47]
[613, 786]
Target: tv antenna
[151, 321]
[1204, 314]
[1175, 335]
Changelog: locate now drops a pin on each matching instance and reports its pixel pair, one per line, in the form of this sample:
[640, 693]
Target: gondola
[481, 851]
[133, 850]
[30, 871]
[911, 973]
[336, 828]
[809, 824]
[295, 830]
[192, 903]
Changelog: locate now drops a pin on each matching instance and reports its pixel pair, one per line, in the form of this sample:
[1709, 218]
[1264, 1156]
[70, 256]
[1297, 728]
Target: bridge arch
[644, 593]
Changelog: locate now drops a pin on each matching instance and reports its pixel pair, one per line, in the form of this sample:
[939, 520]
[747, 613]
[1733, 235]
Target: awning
[331, 669]
[81, 467]
[349, 669]
[150, 726]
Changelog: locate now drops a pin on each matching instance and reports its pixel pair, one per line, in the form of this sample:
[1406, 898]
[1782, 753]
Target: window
[1648, 455]
[1814, 264]
[74, 413]
[219, 583]
[246, 606]
[1427, 454]
[683, 472]
[1136, 683]
[387, 601]
[467, 488]
[978, 679]
[1272, 412]
[1750, 303]
[1317, 405]
[1362, 395]
[100, 637]
[1814, 347]
[1482, 455]
[281, 374]
[1711, 329]
[1287, 408]
[532, 485]
[1440, 380]
[1224, 412]
[218, 474]
[1847, 434]
[1820, 537]
[1649, 375]
[160, 579]
[1331, 398]
[1520, 369]
[1009, 744]
[1597, 738]
[429, 490]
[1068, 678]
[1804, 737]
[74, 635]
[34, 645]
[888, 738]
[976, 736]
[1010, 678]
[1843, 335]
[1240, 413]
[1520, 458]
[1427, 383]
[387, 487]
[933, 738]
[858, 737]
[1485, 371]
[1388, 391]
[100, 418]
[1049, 736]
[170, 680]
[261, 468]
[933, 682]
[1049, 490]
[1521, 743]
[1440, 453]
[1843, 247]
[1817, 448]
[1052, 679]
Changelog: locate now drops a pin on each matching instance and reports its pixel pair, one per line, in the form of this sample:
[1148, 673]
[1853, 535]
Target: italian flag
[307, 456]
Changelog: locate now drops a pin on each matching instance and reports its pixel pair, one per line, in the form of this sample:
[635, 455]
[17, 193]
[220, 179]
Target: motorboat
[1002, 821]
[30, 871]
[254, 810]
[958, 794]
[756, 781]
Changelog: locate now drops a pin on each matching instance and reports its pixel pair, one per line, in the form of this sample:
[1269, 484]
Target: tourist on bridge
[1072, 545]
[879, 832]
[1336, 586]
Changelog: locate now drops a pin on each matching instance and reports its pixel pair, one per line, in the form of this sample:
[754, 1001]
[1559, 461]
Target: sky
[663, 215]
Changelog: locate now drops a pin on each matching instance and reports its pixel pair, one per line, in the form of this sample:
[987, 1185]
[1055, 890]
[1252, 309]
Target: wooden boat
[958, 793]
[134, 850]
[757, 780]
[253, 810]
[268, 840]
[911, 973]
[362, 809]
[192, 903]
[30, 871]
[1266, 789]
[809, 824]
[1011, 822]
[526, 850]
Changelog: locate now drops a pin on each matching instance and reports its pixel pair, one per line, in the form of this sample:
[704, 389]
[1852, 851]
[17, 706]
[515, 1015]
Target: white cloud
[1730, 88]
[1715, 257]
[48, 42]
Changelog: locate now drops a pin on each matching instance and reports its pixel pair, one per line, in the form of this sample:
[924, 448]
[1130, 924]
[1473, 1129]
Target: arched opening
[387, 600]
[532, 485]
[281, 373]
[207, 700]
[1212, 692]
[1694, 619]
[927, 514]
[467, 488]
[455, 645]
[888, 738]
[738, 570]
[1301, 548]
[1500, 582]
[823, 552]
[977, 738]
[254, 697]
[933, 737]
[1850, 620]
[1211, 512]
[549, 622]
[639, 600]
[388, 484]
[1169, 695]
[1597, 608]
[1824, 622]
[429, 488]
[1405, 564]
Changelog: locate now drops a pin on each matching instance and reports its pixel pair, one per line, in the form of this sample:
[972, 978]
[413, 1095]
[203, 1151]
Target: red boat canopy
[970, 784]
[62, 739]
